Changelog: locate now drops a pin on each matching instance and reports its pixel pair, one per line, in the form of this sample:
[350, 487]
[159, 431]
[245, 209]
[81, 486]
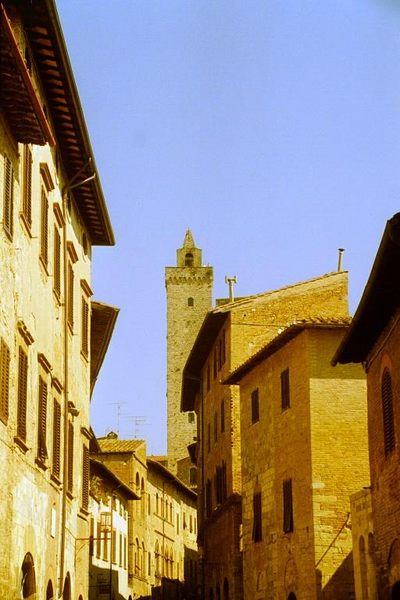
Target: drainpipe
[66, 364]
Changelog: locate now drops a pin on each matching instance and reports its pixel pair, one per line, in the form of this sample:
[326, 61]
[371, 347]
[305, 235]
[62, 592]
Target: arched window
[67, 588]
[28, 579]
[190, 301]
[143, 561]
[188, 259]
[49, 591]
[387, 410]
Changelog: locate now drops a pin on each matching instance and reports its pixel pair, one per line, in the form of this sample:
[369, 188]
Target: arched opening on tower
[189, 259]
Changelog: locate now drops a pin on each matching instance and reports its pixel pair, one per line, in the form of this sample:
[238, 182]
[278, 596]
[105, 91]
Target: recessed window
[287, 506]
[189, 259]
[8, 198]
[190, 302]
[285, 389]
[257, 517]
[191, 417]
[255, 407]
[387, 410]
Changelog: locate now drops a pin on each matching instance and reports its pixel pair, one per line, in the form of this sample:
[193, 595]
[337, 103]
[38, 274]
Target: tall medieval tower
[189, 298]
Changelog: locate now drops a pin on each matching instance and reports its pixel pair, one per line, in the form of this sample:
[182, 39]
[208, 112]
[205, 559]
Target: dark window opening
[255, 407]
[285, 389]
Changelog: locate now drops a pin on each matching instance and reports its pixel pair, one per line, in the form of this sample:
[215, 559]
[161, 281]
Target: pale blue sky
[271, 128]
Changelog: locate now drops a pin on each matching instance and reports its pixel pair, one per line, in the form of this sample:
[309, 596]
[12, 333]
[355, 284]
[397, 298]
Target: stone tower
[189, 298]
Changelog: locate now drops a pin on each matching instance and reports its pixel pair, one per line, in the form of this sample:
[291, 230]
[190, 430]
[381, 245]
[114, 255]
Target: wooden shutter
[57, 262]
[287, 506]
[222, 416]
[4, 381]
[85, 478]
[42, 420]
[22, 394]
[387, 410]
[8, 196]
[70, 310]
[44, 228]
[27, 186]
[285, 389]
[56, 439]
[85, 327]
[70, 457]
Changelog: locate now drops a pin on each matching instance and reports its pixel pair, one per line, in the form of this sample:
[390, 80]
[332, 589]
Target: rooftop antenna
[340, 259]
[138, 421]
[230, 281]
[118, 405]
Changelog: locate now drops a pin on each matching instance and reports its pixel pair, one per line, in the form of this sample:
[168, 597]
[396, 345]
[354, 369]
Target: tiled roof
[116, 445]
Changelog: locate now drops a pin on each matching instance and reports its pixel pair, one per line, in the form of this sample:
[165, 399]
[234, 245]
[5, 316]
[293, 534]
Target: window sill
[44, 265]
[9, 234]
[26, 225]
[21, 444]
[41, 464]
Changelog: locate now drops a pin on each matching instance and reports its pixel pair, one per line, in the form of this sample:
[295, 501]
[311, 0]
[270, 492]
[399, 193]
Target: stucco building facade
[52, 211]
[162, 522]
[374, 340]
[230, 334]
[303, 430]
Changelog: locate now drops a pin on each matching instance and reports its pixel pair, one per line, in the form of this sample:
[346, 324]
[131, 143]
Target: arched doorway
[292, 596]
[396, 591]
[49, 591]
[67, 588]
[226, 589]
[28, 579]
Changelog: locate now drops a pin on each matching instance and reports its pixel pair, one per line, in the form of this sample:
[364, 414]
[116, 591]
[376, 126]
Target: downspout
[66, 387]
[64, 196]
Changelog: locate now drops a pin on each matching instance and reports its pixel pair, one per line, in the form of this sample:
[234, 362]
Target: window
[189, 259]
[8, 204]
[190, 302]
[85, 328]
[70, 303]
[255, 408]
[387, 410]
[55, 468]
[285, 389]
[193, 476]
[220, 483]
[85, 478]
[191, 417]
[44, 229]
[215, 370]
[287, 506]
[42, 421]
[208, 437]
[57, 262]
[215, 427]
[27, 187]
[70, 462]
[222, 416]
[22, 394]
[4, 380]
[208, 378]
[257, 517]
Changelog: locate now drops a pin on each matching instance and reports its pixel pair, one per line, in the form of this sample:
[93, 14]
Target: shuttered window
[285, 389]
[70, 474]
[85, 327]
[42, 420]
[387, 410]
[8, 204]
[70, 307]
[22, 393]
[44, 228]
[57, 262]
[222, 416]
[4, 380]
[27, 186]
[85, 478]
[257, 517]
[287, 506]
[56, 439]
[255, 408]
